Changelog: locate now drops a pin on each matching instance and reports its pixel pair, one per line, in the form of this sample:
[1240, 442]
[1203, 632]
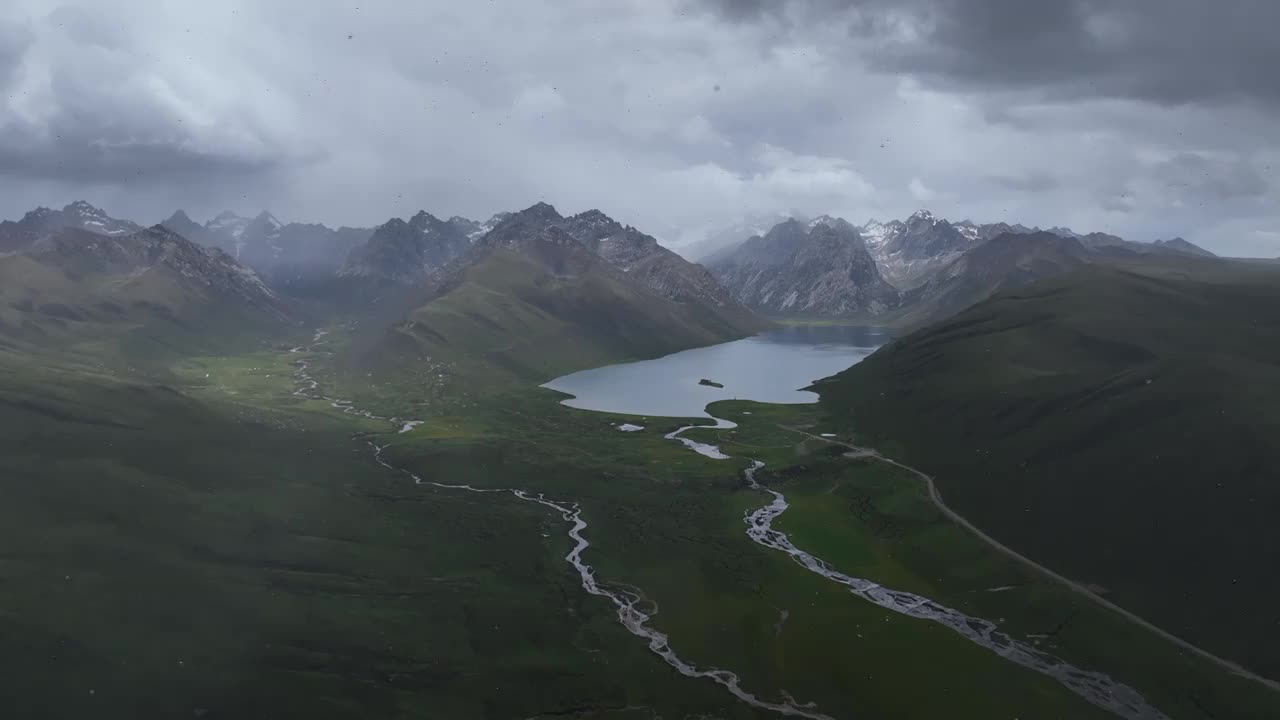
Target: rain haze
[1144, 119]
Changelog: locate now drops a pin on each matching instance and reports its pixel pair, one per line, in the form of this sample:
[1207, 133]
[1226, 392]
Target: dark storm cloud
[1205, 177]
[14, 41]
[1163, 51]
[92, 110]
[81, 156]
[678, 116]
[1030, 182]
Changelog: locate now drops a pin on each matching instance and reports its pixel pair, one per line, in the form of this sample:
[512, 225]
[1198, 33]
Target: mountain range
[581, 288]
[541, 293]
[821, 268]
[285, 253]
[905, 271]
[161, 391]
[407, 252]
[150, 290]
[897, 272]
[20, 234]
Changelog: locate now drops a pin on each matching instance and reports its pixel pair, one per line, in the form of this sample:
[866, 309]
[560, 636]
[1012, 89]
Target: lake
[770, 367]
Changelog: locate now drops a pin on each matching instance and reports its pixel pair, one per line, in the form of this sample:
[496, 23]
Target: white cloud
[538, 100]
[920, 191]
[356, 114]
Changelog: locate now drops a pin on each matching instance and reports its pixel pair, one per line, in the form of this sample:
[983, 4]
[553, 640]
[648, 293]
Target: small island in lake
[711, 383]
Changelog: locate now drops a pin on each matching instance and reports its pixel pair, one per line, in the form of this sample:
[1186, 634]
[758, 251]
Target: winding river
[618, 389]
[635, 610]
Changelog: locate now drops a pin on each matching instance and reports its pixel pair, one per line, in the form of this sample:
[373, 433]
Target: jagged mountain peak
[210, 271]
[267, 218]
[94, 219]
[828, 221]
[82, 206]
[406, 252]
[837, 224]
[591, 226]
[38, 214]
[876, 233]
[1180, 245]
[789, 229]
[422, 217]
[812, 268]
[475, 230]
[540, 211]
[226, 216]
[162, 233]
[593, 214]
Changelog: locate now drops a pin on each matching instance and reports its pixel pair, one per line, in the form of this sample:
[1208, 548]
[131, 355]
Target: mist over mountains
[826, 267]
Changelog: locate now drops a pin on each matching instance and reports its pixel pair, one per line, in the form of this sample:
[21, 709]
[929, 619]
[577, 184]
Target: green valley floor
[207, 543]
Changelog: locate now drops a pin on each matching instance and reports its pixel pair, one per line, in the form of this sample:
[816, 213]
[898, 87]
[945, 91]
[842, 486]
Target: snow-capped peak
[268, 220]
[876, 233]
[226, 218]
[96, 220]
[488, 225]
[80, 207]
[921, 216]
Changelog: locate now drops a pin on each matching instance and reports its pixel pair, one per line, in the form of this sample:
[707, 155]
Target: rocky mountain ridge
[823, 268]
[20, 234]
[924, 259]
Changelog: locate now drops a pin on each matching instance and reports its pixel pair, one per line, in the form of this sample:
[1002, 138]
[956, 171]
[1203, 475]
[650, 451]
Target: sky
[1145, 118]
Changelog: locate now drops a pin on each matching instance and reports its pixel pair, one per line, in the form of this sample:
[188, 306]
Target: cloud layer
[1146, 118]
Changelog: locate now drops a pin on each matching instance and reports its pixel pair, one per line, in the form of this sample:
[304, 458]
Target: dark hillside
[1117, 423]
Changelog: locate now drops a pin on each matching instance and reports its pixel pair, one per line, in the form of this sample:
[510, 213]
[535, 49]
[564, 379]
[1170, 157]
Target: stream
[1095, 687]
[634, 609]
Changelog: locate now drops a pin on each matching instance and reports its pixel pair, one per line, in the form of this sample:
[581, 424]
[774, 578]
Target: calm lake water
[770, 367]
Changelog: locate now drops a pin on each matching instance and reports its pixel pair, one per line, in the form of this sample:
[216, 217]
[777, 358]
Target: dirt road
[936, 498]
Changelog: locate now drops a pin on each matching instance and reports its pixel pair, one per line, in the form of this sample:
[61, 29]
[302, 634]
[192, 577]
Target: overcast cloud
[1146, 118]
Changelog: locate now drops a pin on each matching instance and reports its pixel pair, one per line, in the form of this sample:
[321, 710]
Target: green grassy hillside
[218, 548]
[129, 303]
[1115, 423]
[1005, 262]
[516, 315]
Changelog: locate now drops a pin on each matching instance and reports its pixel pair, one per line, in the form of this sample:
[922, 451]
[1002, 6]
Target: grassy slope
[670, 522]
[114, 323]
[221, 548]
[1117, 424]
[509, 320]
[188, 537]
[227, 550]
[874, 521]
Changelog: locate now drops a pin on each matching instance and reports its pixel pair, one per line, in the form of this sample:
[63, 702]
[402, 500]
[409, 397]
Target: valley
[686, 360]
[356, 498]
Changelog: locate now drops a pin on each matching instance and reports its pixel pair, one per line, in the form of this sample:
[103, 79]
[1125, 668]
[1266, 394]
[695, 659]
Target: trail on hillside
[1095, 687]
[936, 498]
[634, 609]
